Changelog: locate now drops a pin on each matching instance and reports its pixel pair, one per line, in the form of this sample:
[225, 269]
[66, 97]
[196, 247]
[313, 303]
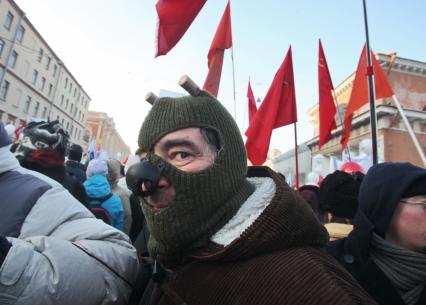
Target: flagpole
[341, 120]
[233, 82]
[410, 130]
[296, 154]
[370, 73]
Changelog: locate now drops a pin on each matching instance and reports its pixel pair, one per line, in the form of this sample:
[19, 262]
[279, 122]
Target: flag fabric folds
[252, 109]
[174, 19]
[359, 94]
[327, 108]
[278, 109]
[222, 40]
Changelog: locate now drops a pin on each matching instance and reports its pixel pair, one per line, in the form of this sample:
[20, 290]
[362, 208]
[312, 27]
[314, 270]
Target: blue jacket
[97, 187]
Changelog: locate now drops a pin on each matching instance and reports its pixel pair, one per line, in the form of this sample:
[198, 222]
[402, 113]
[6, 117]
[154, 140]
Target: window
[8, 21]
[43, 83]
[12, 59]
[72, 129]
[44, 113]
[66, 104]
[20, 33]
[4, 89]
[55, 68]
[72, 106]
[37, 106]
[62, 121]
[62, 99]
[48, 62]
[35, 75]
[27, 104]
[1, 46]
[40, 54]
[49, 92]
[75, 92]
[69, 91]
[68, 125]
[66, 83]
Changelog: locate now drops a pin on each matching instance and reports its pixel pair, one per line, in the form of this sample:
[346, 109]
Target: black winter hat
[338, 193]
[417, 188]
[382, 189]
[75, 152]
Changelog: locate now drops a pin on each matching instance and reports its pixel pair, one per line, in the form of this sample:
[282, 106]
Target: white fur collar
[248, 212]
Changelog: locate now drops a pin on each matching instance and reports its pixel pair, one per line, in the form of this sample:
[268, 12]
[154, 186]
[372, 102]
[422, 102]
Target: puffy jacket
[97, 187]
[60, 253]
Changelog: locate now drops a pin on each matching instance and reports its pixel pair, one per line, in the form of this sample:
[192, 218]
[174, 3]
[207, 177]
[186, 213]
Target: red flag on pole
[222, 40]
[174, 18]
[278, 109]
[251, 103]
[327, 109]
[359, 94]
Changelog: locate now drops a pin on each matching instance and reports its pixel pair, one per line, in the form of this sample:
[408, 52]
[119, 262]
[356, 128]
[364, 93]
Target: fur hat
[338, 193]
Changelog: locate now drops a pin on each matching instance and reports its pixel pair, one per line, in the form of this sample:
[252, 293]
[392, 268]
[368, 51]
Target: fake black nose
[145, 173]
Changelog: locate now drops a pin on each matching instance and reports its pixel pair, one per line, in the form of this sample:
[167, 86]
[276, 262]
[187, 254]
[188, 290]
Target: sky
[109, 46]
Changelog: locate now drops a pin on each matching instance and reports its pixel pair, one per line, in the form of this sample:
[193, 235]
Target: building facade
[102, 128]
[408, 81]
[34, 82]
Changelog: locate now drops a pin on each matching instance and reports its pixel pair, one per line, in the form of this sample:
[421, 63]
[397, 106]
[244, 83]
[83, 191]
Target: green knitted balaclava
[205, 200]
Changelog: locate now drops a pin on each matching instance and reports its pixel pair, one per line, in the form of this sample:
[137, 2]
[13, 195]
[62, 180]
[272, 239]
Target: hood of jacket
[286, 222]
[380, 192]
[7, 160]
[97, 186]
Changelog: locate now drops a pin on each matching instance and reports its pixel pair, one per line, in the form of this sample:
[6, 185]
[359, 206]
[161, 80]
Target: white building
[34, 82]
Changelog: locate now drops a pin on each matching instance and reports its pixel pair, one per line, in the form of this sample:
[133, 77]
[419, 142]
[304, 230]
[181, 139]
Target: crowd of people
[190, 223]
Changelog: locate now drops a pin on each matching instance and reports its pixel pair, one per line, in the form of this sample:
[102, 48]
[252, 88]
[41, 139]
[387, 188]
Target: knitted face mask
[204, 200]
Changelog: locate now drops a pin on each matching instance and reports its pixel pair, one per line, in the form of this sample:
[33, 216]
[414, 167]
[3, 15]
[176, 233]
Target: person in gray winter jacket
[52, 249]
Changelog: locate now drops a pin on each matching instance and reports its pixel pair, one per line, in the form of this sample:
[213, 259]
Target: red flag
[278, 109]
[174, 18]
[251, 103]
[327, 109]
[222, 40]
[359, 94]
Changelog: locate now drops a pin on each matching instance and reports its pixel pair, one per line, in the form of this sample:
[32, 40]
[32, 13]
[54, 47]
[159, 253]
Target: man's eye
[182, 155]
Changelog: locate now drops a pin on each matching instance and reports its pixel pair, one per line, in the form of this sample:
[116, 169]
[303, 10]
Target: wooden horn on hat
[189, 85]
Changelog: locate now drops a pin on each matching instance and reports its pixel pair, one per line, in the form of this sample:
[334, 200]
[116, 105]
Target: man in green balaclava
[223, 233]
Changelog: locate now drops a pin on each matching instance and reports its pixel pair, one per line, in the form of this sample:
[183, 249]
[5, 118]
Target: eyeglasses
[414, 202]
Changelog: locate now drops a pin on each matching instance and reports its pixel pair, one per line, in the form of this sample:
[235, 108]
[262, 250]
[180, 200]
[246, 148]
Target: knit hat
[75, 152]
[97, 167]
[417, 188]
[207, 199]
[4, 138]
[338, 193]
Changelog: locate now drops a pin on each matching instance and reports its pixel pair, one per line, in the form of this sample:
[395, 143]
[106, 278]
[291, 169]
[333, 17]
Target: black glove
[4, 248]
